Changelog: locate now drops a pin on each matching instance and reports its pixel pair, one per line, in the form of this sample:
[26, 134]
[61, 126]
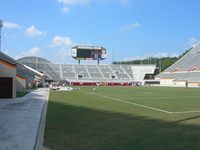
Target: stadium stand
[21, 76]
[22, 70]
[187, 69]
[88, 73]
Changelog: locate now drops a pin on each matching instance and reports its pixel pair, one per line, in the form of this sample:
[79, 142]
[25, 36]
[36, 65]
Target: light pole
[160, 65]
[1, 25]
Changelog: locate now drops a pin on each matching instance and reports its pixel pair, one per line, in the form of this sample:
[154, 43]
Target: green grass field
[124, 118]
[21, 94]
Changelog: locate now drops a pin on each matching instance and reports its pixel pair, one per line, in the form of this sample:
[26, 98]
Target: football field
[124, 118]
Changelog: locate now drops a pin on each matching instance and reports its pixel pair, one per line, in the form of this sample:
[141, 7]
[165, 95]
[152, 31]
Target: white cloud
[74, 2]
[174, 55]
[165, 54]
[32, 52]
[61, 41]
[157, 55]
[193, 41]
[65, 10]
[64, 53]
[32, 31]
[11, 25]
[161, 54]
[131, 26]
[134, 58]
[84, 2]
[135, 25]
[67, 4]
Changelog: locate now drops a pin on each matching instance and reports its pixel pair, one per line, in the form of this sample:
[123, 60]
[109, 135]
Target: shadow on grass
[186, 119]
[71, 127]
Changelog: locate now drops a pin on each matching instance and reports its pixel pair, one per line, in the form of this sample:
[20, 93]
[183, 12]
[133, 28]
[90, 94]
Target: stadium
[99, 75]
[110, 106]
[32, 70]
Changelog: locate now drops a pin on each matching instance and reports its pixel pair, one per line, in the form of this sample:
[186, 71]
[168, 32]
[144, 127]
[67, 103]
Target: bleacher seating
[88, 72]
[68, 71]
[187, 68]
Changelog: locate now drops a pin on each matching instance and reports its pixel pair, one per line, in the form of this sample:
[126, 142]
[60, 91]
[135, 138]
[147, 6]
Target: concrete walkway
[20, 120]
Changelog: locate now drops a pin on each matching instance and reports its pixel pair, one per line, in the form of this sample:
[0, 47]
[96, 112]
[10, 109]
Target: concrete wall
[174, 83]
[194, 84]
[166, 82]
[180, 83]
[21, 83]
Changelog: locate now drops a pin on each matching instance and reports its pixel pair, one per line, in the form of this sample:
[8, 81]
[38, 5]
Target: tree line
[161, 63]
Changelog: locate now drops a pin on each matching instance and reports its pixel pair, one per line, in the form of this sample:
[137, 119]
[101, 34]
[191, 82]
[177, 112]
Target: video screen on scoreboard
[88, 53]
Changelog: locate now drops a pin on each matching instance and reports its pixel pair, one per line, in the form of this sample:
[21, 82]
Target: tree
[165, 61]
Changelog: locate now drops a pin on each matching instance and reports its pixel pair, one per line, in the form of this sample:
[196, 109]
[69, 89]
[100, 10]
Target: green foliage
[162, 63]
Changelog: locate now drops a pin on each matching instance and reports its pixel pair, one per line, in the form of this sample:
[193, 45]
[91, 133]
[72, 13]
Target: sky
[128, 29]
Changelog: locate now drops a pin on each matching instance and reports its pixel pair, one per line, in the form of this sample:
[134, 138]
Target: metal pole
[160, 66]
[0, 38]
[112, 57]
[1, 25]
[36, 66]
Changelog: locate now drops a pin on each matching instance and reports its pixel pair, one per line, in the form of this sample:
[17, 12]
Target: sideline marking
[163, 97]
[123, 101]
[186, 112]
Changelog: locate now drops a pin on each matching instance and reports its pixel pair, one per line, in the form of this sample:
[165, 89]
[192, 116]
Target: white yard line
[174, 97]
[131, 103]
[130, 98]
[186, 112]
[148, 107]
[163, 97]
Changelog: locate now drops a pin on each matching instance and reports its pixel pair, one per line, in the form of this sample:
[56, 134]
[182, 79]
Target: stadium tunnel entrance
[6, 84]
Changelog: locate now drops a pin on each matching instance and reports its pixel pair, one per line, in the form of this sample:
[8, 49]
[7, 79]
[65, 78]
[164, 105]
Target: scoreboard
[88, 52]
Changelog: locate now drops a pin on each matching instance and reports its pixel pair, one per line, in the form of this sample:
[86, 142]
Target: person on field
[186, 84]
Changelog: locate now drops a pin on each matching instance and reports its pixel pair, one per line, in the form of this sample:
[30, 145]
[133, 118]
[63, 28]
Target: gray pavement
[20, 120]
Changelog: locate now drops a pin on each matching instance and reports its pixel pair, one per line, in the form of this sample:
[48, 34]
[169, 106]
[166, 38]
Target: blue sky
[128, 29]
